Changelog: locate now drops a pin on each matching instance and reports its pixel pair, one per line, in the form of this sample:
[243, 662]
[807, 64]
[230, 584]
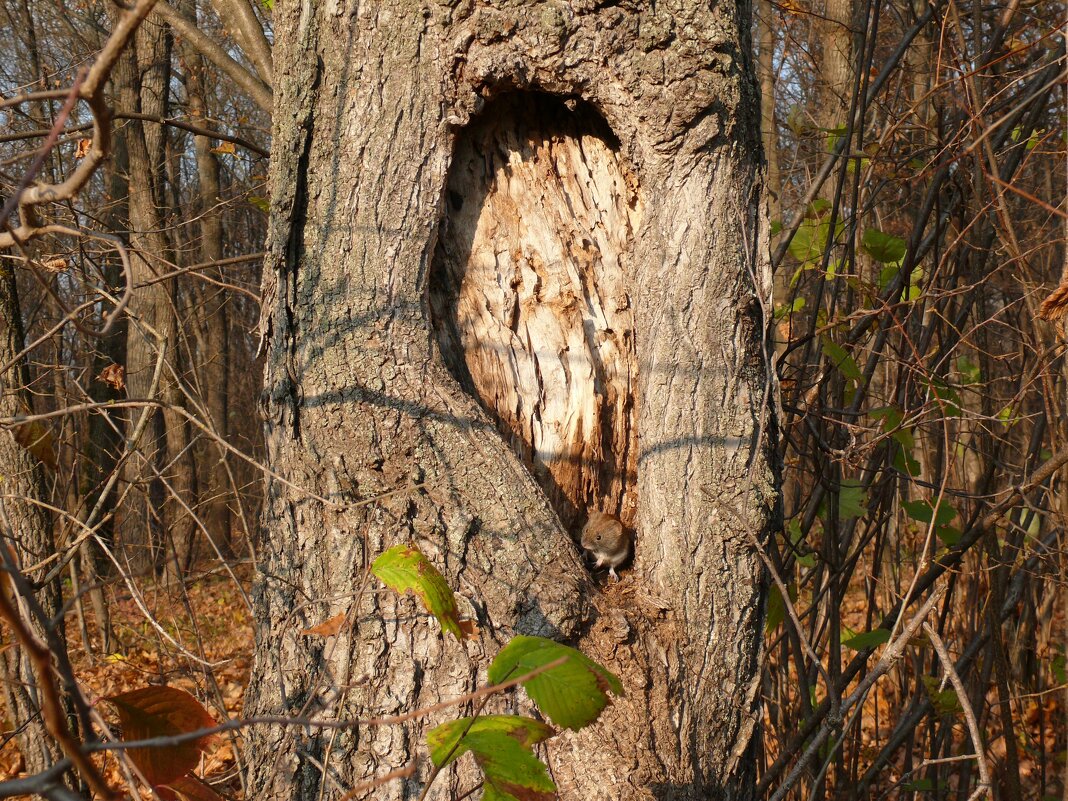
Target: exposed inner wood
[530, 294]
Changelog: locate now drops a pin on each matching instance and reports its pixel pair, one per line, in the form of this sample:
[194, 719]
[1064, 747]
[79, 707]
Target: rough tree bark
[27, 529]
[623, 226]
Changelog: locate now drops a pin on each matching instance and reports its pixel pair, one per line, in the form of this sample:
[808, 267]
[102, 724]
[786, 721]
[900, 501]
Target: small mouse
[604, 537]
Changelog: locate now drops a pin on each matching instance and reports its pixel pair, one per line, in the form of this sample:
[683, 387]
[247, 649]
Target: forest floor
[170, 646]
[162, 637]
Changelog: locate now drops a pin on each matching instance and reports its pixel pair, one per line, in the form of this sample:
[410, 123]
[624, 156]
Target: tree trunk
[769, 131]
[508, 310]
[836, 63]
[211, 308]
[154, 324]
[31, 534]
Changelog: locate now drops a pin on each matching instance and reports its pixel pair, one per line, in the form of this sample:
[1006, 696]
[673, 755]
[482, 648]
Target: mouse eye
[598, 538]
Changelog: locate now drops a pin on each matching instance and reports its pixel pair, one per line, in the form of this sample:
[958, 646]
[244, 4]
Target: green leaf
[944, 701]
[841, 359]
[261, 203]
[785, 311]
[572, 695]
[919, 786]
[776, 608]
[818, 207]
[904, 461]
[812, 238]
[888, 274]
[1008, 417]
[852, 499]
[884, 248]
[795, 122]
[776, 227]
[903, 458]
[950, 400]
[403, 568]
[834, 136]
[500, 745]
[924, 512]
[890, 415]
[949, 535]
[969, 372]
[449, 741]
[868, 639]
[1059, 668]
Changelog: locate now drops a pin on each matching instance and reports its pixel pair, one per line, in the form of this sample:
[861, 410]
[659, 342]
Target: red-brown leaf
[162, 712]
[328, 628]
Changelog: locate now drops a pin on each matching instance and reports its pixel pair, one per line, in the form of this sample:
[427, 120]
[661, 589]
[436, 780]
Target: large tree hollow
[531, 295]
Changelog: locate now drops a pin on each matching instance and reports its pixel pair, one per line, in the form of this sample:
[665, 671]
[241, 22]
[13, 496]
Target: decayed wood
[531, 295]
[372, 102]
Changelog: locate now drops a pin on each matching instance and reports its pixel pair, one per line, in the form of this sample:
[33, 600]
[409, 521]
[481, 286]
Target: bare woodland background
[916, 170]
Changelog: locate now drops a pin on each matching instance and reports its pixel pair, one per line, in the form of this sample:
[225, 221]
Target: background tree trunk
[360, 402]
[141, 84]
[211, 312]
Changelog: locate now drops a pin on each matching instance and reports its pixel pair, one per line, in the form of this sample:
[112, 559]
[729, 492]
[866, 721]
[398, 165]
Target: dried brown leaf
[114, 375]
[328, 628]
[56, 265]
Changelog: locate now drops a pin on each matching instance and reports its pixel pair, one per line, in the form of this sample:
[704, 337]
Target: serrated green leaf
[841, 359]
[403, 568]
[500, 745]
[776, 227]
[924, 512]
[512, 773]
[884, 248]
[572, 695]
[867, 639]
[449, 741]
